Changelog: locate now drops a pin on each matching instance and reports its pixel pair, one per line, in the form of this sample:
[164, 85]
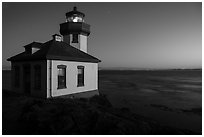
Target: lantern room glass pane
[75, 19]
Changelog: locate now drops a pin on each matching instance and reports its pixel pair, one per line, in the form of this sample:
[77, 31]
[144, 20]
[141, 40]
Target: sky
[123, 35]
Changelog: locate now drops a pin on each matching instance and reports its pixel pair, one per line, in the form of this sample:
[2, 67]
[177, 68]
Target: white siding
[90, 78]
[82, 42]
[49, 77]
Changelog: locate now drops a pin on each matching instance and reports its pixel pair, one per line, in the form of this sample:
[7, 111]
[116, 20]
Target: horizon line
[125, 68]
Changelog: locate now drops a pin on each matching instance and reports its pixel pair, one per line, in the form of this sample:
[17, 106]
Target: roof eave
[72, 59]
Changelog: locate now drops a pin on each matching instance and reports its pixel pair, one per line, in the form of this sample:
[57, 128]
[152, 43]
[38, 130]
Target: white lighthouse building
[60, 66]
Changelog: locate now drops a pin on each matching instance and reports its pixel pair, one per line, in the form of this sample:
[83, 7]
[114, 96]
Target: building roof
[54, 50]
[34, 45]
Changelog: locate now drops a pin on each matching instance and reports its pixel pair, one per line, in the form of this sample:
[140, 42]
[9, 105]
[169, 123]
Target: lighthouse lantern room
[75, 31]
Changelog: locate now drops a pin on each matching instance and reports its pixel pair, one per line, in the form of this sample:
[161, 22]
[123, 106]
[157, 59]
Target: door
[27, 78]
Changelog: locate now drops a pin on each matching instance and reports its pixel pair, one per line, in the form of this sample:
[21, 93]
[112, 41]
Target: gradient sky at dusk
[130, 35]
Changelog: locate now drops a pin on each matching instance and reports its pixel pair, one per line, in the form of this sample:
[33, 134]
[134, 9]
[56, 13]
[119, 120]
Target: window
[75, 38]
[61, 76]
[17, 76]
[80, 76]
[37, 77]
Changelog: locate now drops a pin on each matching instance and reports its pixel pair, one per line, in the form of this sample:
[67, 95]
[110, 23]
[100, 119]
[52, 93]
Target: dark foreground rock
[94, 116]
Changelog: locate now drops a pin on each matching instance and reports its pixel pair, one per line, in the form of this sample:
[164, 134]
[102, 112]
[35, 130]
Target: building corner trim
[50, 77]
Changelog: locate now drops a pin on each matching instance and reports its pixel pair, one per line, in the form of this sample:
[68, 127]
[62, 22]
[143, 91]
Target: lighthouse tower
[75, 32]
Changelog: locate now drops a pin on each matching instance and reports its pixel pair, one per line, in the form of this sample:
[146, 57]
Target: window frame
[61, 86]
[80, 81]
[37, 77]
[75, 38]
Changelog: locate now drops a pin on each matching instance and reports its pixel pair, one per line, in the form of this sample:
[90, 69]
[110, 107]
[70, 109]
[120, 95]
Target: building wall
[90, 78]
[49, 78]
[35, 50]
[39, 93]
[20, 88]
[42, 91]
[82, 42]
[76, 45]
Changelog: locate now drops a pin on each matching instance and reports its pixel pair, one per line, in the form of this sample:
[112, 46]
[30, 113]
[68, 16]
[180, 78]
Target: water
[172, 98]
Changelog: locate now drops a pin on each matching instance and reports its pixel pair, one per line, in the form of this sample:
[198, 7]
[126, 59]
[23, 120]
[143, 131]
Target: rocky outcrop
[87, 116]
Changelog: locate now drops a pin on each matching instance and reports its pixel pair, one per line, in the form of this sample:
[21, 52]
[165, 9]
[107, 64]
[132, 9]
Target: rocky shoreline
[61, 116]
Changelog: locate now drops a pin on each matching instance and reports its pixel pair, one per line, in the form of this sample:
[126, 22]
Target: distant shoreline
[199, 69]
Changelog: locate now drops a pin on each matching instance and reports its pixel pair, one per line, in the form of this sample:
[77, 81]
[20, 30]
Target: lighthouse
[60, 66]
[75, 31]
